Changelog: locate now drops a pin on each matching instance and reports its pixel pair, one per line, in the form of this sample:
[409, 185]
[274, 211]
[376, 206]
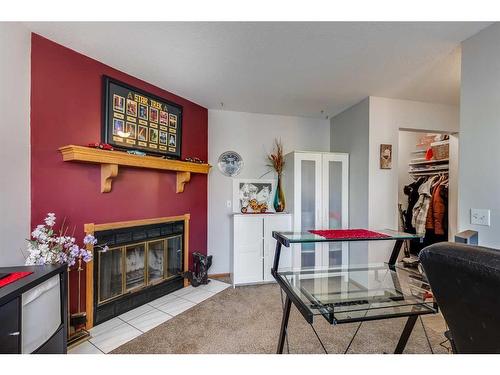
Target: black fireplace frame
[127, 236]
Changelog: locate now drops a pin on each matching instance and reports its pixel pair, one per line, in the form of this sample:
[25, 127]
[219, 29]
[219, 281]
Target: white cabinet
[253, 246]
[316, 186]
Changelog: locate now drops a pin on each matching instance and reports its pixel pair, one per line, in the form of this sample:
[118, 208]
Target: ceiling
[288, 68]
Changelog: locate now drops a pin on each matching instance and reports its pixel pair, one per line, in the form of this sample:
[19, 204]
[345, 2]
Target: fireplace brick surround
[66, 93]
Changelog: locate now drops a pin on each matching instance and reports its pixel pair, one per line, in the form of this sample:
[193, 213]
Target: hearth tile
[183, 291]
[106, 326]
[177, 306]
[149, 320]
[214, 286]
[162, 300]
[198, 296]
[113, 338]
[85, 348]
[135, 312]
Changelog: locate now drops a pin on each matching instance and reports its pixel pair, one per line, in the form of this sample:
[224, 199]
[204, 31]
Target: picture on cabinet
[253, 195]
[385, 156]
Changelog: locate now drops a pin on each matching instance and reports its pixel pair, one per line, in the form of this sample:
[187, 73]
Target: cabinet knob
[15, 333]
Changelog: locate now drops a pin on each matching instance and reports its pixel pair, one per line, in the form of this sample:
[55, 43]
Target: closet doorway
[427, 186]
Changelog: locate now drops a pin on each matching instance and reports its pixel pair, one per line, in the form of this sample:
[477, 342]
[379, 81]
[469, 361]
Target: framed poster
[134, 119]
[385, 156]
[253, 195]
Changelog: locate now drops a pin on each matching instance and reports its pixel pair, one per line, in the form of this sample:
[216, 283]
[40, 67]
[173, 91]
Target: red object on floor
[13, 277]
[348, 234]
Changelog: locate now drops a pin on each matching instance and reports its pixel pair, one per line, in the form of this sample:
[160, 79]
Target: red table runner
[13, 277]
[348, 234]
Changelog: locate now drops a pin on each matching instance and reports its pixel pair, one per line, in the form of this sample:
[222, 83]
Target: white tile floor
[115, 332]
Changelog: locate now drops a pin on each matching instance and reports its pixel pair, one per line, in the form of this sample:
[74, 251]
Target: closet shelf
[433, 161]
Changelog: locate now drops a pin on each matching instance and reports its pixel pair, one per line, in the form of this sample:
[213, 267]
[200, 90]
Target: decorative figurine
[199, 275]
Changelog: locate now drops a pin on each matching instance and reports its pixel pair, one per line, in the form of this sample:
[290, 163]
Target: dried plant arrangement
[276, 158]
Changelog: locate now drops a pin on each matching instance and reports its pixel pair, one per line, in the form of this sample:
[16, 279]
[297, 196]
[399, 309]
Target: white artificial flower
[50, 220]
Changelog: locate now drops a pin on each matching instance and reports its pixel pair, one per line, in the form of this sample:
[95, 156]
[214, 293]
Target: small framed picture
[253, 195]
[131, 129]
[172, 120]
[142, 133]
[163, 118]
[385, 156]
[117, 126]
[153, 114]
[171, 140]
[131, 108]
[153, 135]
[143, 112]
[118, 103]
[163, 137]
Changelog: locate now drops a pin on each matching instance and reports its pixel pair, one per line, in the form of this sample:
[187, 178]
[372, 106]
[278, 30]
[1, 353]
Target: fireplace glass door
[135, 266]
[174, 254]
[156, 261]
[110, 274]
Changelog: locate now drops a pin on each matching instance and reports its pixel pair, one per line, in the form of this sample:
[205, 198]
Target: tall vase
[279, 197]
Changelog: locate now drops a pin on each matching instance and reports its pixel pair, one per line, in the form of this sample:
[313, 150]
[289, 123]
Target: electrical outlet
[480, 216]
[228, 204]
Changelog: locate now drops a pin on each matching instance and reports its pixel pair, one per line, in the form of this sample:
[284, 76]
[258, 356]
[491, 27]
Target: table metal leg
[410, 323]
[284, 325]
[276, 261]
[395, 252]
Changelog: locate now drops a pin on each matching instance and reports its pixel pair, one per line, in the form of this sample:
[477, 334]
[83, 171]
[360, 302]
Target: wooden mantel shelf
[110, 160]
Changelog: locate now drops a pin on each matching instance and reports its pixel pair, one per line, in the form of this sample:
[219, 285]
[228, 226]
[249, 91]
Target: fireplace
[145, 261]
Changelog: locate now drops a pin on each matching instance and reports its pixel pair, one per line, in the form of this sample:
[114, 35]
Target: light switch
[228, 204]
[480, 216]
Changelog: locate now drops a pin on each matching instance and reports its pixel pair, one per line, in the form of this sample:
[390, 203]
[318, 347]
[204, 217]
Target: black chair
[465, 281]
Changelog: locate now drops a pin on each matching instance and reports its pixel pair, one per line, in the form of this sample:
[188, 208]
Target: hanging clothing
[439, 199]
[411, 191]
[429, 222]
[421, 208]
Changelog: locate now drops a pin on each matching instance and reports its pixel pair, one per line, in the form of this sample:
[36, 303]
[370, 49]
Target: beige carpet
[247, 320]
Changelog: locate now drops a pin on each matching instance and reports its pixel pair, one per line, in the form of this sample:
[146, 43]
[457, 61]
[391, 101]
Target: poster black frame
[107, 114]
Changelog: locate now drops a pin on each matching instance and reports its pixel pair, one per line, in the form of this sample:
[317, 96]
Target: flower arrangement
[48, 247]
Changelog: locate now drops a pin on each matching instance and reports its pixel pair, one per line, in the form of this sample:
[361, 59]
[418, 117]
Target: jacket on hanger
[439, 209]
[421, 208]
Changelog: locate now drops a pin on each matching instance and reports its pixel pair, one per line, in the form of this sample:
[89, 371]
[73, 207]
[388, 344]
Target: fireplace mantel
[110, 160]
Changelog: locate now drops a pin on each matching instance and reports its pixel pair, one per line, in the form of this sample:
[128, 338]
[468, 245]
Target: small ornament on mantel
[277, 162]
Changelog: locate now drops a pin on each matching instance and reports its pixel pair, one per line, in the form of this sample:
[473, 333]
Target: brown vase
[279, 197]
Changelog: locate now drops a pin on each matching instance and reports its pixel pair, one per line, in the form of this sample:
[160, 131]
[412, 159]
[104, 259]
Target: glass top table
[288, 238]
[358, 293]
[353, 293]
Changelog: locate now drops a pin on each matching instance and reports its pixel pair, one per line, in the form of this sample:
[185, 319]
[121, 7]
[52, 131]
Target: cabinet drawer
[10, 336]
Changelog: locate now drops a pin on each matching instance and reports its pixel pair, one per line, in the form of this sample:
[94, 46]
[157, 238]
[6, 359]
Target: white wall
[252, 136]
[374, 191]
[479, 173]
[349, 132]
[15, 47]
[387, 116]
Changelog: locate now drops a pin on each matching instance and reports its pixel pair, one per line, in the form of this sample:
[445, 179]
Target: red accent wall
[66, 101]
